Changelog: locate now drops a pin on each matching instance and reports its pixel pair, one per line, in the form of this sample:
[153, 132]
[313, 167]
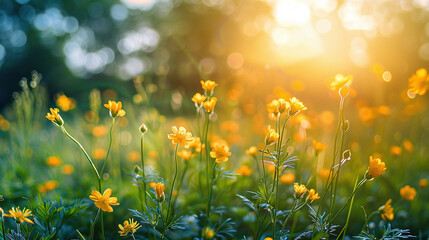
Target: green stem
[2, 227]
[344, 230]
[108, 149]
[143, 169]
[180, 184]
[290, 214]
[206, 130]
[93, 224]
[86, 155]
[211, 191]
[348, 200]
[102, 226]
[172, 184]
[263, 172]
[367, 220]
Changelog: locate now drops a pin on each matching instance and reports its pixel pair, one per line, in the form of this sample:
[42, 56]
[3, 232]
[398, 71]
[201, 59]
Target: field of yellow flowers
[114, 167]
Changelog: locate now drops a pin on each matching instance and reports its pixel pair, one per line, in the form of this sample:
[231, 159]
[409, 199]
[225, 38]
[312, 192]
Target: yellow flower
[55, 117]
[115, 109]
[312, 195]
[296, 106]
[180, 136]
[104, 201]
[376, 167]
[273, 108]
[423, 182]
[20, 216]
[130, 227]
[198, 99]
[408, 193]
[208, 233]
[152, 185]
[387, 211]
[271, 136]
[185, 155]
[268, 238]
[244, 170]
[99, 131]
[341, 84]
[65, 103]
[287, 178]
[67, 169]
[318, 146]
[53, 161]
[220, 152]
[419, 83]
[299, 189]
[252, 151]
[210, 104]
[195, 144]
[159, 190]
[208, 86]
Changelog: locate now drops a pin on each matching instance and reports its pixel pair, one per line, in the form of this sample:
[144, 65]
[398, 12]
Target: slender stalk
[180, 184]
[348, 215]
[86, 155]
[93, 224]
[348, 200]
[132, 235]
[211, 191]
[143, 169]
[18, 229]
[263, 172]
[172, 184]
[290, 214]
[102, 226]
[367, 220]
[2, 227]
[108, 149]
[206, 130]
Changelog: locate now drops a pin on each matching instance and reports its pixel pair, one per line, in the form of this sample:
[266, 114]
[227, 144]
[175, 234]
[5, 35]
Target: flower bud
[143, 128]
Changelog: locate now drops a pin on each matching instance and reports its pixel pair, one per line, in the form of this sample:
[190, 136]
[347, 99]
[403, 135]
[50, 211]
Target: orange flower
[99, 131]
[208, 86]
[299, 189]
[104, 201]
[244, 170]
[67, 169]
[253, 150]
[423, 182]
[180, 136]
[324, 173]
[396, 150]
[418, 83]
[65, 103]
[376, 167]
[318, 146]
[220, 152]
[387, 211]
[55, 117]
[99, 153]
[312, 195]
[408, 145]
[185, 155]
[198, 99]
[296, 106]
[159, 190]
[408, 193]
[53, 161]
[271, 136]
[210, 104]
[195, 144]
[115, 109]
[133, 156]
[287, 178]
